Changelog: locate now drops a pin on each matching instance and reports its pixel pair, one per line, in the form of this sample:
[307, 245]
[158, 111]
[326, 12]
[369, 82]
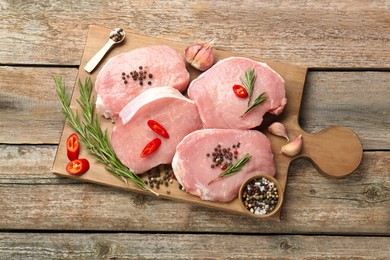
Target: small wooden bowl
[276, 184]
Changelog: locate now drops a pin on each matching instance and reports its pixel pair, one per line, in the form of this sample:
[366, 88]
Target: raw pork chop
[194, 166]
[218, 105]
[166, 66]
[166, 106]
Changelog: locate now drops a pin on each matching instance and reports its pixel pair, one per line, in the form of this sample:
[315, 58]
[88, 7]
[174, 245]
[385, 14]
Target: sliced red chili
[78, 166]
[240, 91]
[151, 147]
[159, 129]
[73, 147]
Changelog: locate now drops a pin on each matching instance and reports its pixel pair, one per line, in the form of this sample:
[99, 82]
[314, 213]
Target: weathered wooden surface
[358, 100]
[185, 246]
[358, 204]
[346, 34]
[29, 108]
[355, 99]
[44, 216]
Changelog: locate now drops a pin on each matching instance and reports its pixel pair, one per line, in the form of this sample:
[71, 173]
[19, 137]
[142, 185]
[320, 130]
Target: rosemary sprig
[249, 82]
[91, 135]
[260, 99]
[233, 168]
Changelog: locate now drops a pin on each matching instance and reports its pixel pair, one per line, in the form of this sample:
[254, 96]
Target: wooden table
[346, 45]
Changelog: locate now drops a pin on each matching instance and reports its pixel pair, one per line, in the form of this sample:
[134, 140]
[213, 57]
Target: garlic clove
[279, 130]
[191, 51]
[200, 56]
[294, 147]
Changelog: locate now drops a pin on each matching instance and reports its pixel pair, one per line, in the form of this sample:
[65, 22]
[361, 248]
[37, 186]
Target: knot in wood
[139, 201]
[102, 249]
[285, 245]
[372, 193]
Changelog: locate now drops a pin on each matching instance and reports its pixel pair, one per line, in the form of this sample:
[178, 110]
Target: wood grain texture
[360, 102]
[356, 100]
[29, 108]
[344, 34]
[188, 246]
[321, 217]
[32, 198]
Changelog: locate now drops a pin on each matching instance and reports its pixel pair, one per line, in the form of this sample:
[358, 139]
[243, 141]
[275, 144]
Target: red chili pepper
[240, 91]
[159, 129]
[73, 147]
[78, 166]
[151, 147]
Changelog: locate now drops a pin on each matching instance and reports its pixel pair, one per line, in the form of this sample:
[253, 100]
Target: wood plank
[310, 33]
[189, 246]
[360, 103]
[32, 198]
[28, 165]
[29, 106]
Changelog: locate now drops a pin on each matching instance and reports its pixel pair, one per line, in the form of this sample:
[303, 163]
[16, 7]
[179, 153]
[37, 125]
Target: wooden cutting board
[335, 151]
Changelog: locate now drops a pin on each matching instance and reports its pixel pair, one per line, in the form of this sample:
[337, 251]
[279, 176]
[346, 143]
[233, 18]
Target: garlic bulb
[200, 56]
[294, 147]
[279, 130]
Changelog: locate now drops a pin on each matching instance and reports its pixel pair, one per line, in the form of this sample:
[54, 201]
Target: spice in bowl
[261, 196]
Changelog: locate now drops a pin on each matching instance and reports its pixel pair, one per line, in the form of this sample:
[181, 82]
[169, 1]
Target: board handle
[335, 151]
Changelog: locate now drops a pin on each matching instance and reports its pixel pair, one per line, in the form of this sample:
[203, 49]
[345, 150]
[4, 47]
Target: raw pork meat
[218, 105]
[164, 63]
[177, 114]
[194, 166]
